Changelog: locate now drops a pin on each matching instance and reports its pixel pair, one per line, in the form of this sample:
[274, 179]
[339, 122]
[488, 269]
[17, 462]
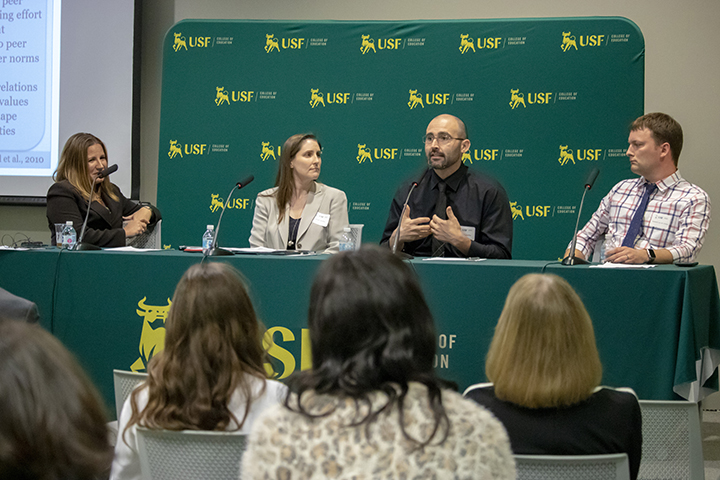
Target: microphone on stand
[88, 246]
[402, 213]
[215, 251]
[571, 259]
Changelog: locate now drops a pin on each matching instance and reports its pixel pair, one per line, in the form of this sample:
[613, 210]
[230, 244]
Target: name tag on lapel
[321, 219]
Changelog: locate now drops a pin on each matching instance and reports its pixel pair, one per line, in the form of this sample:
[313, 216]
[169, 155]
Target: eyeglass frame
[443, 142]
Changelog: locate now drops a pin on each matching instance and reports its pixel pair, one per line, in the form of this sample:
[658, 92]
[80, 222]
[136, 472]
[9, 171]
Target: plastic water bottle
[347, 241]
[207, 239]
[69, 237]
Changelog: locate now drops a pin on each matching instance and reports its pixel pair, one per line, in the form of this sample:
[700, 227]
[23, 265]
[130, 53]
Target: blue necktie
[637, 219]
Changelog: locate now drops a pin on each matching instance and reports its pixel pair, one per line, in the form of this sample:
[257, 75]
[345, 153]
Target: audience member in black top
[545, 368]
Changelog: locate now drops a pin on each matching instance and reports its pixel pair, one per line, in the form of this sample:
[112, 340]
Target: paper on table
[453, 259]
[623, 265]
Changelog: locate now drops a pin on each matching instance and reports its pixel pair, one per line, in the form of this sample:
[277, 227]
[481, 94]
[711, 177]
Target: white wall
[682, 66]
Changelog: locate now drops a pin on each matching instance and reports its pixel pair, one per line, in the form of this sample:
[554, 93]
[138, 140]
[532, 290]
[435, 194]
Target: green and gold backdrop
[544, 100]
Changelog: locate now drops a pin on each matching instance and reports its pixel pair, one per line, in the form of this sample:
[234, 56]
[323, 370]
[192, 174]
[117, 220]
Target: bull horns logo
[152, 337]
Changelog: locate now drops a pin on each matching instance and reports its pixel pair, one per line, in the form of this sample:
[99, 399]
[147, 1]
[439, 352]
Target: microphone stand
[216, 251]
[81, 246]
[403, 255]
[571, 259]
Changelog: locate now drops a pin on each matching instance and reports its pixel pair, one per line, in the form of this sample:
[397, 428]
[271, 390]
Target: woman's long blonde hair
[543, 353]
[73, 165]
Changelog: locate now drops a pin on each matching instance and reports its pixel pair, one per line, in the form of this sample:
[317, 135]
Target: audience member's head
[543, 353]
[213, 340]
[52, 422]
[370, 329]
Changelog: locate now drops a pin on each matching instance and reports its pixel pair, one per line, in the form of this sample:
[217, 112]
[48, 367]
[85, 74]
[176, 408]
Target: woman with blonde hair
[299, 213]
[83, 157]
[545, 372]
[210, 376]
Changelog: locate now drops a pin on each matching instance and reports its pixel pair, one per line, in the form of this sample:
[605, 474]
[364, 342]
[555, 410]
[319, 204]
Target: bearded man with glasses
[454, 211]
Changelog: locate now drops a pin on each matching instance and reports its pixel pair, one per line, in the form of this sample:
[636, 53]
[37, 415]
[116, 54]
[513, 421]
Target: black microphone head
[244, 182]
[108, 171]
[591, 178]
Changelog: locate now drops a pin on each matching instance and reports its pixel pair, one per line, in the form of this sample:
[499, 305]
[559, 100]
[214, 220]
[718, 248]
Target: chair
[189, 454]
[151, 238]
[613, 466]
[672, 442]
[356, 232]
[125, 382]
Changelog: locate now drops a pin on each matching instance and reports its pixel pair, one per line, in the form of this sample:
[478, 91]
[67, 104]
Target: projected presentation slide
[29, 86]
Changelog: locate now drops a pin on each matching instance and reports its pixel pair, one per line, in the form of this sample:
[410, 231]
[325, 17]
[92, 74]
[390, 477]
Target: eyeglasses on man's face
[442, 138]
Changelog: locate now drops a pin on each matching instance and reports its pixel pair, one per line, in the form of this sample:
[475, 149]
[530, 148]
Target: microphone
[571, 259]
[108, 171]
[88, 246]
[402, 212]
[215, 251]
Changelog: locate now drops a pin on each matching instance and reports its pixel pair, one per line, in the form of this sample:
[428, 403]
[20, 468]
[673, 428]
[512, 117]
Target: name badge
[660, 220]
[469, 232]
[321, 219]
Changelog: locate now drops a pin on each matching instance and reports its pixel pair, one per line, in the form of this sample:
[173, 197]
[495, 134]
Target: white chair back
[672, 442]
[189, 454]
[573, 467]
[356, 232]
[125, 382]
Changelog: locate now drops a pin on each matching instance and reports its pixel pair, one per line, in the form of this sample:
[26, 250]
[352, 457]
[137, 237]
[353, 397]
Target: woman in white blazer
[299, 213]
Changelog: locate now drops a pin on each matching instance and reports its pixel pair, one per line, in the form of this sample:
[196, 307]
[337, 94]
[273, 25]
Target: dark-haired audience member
[299, 213]
[210, 376]
[52, 422]
[372, 406]
[13, 307]
[545, 370]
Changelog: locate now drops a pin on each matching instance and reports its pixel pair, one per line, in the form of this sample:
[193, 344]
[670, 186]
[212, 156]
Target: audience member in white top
[210, 376]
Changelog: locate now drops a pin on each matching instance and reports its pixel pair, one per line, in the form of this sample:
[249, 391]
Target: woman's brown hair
[213, 340]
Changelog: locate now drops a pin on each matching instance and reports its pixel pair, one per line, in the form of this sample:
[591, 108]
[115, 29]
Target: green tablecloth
[657, 329]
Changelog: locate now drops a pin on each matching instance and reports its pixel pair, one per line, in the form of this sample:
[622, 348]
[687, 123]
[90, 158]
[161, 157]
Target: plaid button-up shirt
[676, 218]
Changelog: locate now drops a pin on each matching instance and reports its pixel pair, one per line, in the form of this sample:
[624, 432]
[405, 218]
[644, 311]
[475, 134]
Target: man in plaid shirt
[677, 215]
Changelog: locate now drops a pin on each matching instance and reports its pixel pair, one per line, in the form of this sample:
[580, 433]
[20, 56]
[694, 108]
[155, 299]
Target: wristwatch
[651, 255]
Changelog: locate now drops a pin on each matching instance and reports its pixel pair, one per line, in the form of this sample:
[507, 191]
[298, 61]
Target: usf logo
[468, 43]
[221, 96]
[274, 44]
[367, 44]
[569, 41]
[586, 154]
[189, 149]
[530, 211]
[215, 202]
[365, 153]
[152, 336]
[415, 100]
[517, 98]
[269, 151]
[486, 154]
[430, 99]
[179, 42]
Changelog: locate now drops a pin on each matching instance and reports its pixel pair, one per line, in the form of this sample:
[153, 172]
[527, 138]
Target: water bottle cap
[211, 227]
[69, 222]
[347, 229]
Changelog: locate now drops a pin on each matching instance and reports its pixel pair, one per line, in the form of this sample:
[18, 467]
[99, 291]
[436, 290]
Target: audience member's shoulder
[467, 408]
[618, 396]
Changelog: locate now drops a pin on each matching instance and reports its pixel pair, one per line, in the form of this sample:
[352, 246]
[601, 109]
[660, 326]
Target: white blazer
[316, 232]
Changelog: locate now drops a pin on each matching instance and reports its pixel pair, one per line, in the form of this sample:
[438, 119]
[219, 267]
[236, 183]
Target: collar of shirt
[452, 182]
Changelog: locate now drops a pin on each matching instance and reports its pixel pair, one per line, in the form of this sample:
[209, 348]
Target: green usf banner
[544, 100]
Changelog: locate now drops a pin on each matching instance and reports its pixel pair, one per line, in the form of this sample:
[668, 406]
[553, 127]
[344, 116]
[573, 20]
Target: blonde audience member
[545, 370]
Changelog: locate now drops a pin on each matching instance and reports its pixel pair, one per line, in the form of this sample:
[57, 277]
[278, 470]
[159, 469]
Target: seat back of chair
[151, 238]
[672, 442]
[189, 454]
[573, 467]
[125, 382]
